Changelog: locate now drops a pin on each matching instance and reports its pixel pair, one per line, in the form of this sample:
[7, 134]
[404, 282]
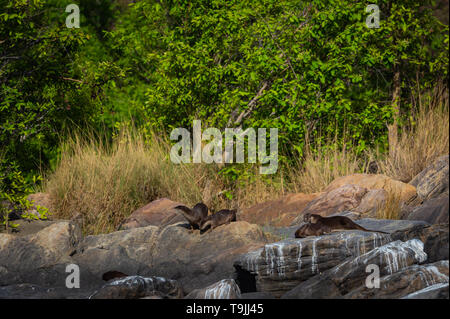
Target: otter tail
[373, 231]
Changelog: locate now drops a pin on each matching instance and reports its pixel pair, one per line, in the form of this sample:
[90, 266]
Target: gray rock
[135, 287]
[281, 266]
[434, 210]
[433, 180]
[350, 274]
[224, 289]
[404, 282]
[437, 291]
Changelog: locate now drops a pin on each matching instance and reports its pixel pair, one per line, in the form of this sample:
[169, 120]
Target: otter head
[314, 218]
[307, 217]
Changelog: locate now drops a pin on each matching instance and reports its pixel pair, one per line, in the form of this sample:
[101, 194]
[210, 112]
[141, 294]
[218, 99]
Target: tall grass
[104, 183]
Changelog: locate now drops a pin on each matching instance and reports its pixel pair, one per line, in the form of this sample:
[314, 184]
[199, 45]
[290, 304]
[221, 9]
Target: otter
[195, 216]
[310, 229]
[224, 216]
[336, 223]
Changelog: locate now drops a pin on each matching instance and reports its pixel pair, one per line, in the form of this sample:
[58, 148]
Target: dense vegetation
[313, 69]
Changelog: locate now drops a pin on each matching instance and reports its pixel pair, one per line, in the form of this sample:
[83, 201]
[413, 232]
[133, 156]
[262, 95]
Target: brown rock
[371, 202]
[280, 212]
[403, 191]
[159, 212]
[346, 197]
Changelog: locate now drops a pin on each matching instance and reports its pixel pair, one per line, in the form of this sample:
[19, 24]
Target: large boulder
[279, 267]
[136, 287]
[435, 238]
[404, 192]
[434, 210]
[195, 260]
[159, 212]
[346, 197]
[433, 181]
[224, 289]
[351, 274]
[40, 258]
[405, 282]
[279, 212]
[436, 291]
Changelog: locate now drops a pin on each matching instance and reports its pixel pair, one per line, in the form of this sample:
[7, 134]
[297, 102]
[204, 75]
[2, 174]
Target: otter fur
[224, 216]
[310, 229]
[336, 223]
[195, 216]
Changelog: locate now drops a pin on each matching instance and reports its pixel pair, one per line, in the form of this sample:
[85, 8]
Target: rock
[38, 258]
[433, 181]
[224, 289]
[372, 201]
[434, 210]
[346, 197]
[389, 225]
[435, 238]
[30, 291]
[135, 287]
[279, 267]
[279, 212]
[405, 192]
[405, 282]
[159, 212]
[195, 260]
[351, 274]
[437, 291]
[257, 295]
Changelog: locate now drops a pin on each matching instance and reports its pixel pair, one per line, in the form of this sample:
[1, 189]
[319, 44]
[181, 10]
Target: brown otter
[224, 216]
[336, 223]
[195, 216]
[310, 229]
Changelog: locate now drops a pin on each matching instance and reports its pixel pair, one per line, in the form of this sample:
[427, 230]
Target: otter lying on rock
[195, 216]
[310, 229]
[224, 216]
[336, 223]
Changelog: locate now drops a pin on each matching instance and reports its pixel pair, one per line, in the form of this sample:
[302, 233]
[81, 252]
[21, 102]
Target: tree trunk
[393, 128]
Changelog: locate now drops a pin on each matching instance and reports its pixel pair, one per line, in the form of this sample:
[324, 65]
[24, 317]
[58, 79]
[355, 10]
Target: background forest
[85, 113]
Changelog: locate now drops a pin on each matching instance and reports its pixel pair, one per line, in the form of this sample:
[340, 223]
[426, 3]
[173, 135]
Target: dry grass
[425, 138]
[389, 208]
[104, 184]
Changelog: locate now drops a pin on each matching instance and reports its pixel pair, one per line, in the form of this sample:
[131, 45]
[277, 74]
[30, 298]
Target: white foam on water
[222, 290]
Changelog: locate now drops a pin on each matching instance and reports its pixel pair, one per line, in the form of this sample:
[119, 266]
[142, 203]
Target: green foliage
[317, 66]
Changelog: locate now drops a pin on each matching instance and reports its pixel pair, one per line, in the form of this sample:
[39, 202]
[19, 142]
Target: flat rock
[195, 260]
[224, 289]
[159, 212]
